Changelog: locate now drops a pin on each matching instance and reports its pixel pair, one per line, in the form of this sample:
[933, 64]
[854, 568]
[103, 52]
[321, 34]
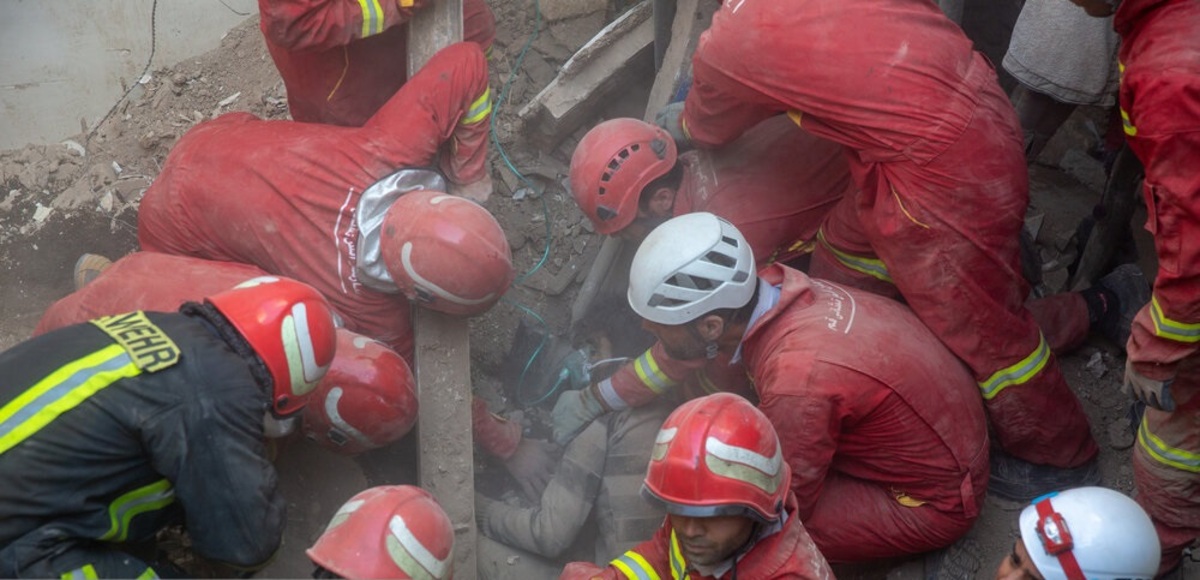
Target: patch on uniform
[149, 347]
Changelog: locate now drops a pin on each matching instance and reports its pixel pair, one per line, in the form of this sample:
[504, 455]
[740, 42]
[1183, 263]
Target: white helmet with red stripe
[718, 456]
[1091, 533]
[390, 531]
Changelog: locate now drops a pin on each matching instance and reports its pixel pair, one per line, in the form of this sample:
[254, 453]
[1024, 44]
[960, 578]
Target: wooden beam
[446, 461]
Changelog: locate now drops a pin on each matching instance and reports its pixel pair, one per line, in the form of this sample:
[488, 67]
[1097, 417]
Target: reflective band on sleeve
[372, 17]
[648, 372]
[122, 510]
[148, 574]
[608, 396]
[678, 565]
[61, 391]
[635, 567]
[1171, 329]
[872, 267]
[480, 109]
[87, 572]
[1165, 454]
[1019, 373]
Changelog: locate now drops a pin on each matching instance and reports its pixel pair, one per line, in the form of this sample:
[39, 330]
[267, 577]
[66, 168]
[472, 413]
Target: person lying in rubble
[119, 427]
[718, 471]
[389, 531]
[594, 492]
[879, 421]
[366, 400]
[323, 204]
[937, 155]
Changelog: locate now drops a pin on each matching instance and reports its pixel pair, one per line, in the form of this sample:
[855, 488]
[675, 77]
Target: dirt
[60, 200]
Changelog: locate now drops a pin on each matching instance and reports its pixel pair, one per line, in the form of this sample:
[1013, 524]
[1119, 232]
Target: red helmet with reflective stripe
[391, 531]
[611, 166]
[290, 327]
[718, 456]
[446, 253]
[367, 399]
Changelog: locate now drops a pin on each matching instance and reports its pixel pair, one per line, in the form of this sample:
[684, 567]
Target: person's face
[679, 341]
[1018, 566]
[708, 541]
[1097, 8]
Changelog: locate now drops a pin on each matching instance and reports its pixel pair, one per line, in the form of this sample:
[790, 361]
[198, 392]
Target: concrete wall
[64, 63]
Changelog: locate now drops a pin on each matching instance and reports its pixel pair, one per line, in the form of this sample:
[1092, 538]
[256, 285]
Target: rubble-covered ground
[62, 199]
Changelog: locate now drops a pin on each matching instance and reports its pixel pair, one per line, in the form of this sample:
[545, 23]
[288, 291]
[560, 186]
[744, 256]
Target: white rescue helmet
[689, 266]
[1090, 532]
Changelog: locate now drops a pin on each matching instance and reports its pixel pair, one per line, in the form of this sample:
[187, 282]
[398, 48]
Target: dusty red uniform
[787, 553]
[936, 151]
[341, 60]
[282, 195]
[145, 281]
[775, 184]
[1160, 104]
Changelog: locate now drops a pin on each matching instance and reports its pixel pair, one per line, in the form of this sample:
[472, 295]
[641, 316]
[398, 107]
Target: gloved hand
[1153, 393]
[573, 411]
[670, 118]
[532, 466]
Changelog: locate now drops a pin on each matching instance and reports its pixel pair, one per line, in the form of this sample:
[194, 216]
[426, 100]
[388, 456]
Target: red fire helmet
[446, 253]
[290, 326]
[367, 399]
[718, 456]
[611, 166]
[391, 531]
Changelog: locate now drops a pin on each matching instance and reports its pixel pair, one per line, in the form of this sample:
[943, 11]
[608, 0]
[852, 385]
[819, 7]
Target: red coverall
[1160, 106]
[936, 151]
[145, 281]
[341, 60]
[788, 553]
[281, 195]
[775, 183]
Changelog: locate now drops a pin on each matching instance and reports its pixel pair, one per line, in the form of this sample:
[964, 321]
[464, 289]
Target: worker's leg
[1041, 116]
[948, 232]
[844, 254]
[1166, 466]
[854, 520]
[49, 552]
[1063, 319]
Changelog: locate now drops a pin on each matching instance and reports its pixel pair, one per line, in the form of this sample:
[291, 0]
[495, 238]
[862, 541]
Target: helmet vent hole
[604, 212]
[659, 300]
[721, 259]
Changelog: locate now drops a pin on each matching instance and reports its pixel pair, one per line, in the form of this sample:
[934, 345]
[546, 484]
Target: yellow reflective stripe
[1127, 124]
[149, 574]
[635, 567]
[480, 109]
[796, 117]
[122, 510]
[61, 391]
[87, 571]
[872, 267]
[372, 17]
[1172, 329]
[648, 372]
[1165, 454]
[678, 565]
[1019, 373]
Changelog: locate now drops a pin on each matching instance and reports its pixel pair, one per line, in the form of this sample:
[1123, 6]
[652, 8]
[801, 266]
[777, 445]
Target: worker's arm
[718, 109]
[325, 24]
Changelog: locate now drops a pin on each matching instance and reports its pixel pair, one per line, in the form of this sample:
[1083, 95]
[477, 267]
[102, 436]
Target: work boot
[1128, 285]
[88, 267]
[1021, 481]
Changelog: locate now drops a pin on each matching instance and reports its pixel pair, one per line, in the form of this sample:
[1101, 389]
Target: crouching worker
[718, 470]
[390, 531]
[367, 399]
[114, 429]
[1090, 533]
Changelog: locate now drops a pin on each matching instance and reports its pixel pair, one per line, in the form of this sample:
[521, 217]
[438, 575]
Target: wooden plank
[445, 463]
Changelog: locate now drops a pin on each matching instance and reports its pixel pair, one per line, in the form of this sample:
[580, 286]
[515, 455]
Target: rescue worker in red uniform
[310, 202]
[719, 471]
[390, 531]
[366, 400]
[1160, 106]
[113, 429]
[341, 60]
[880, 422]
[774, 182]
[936, 151]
